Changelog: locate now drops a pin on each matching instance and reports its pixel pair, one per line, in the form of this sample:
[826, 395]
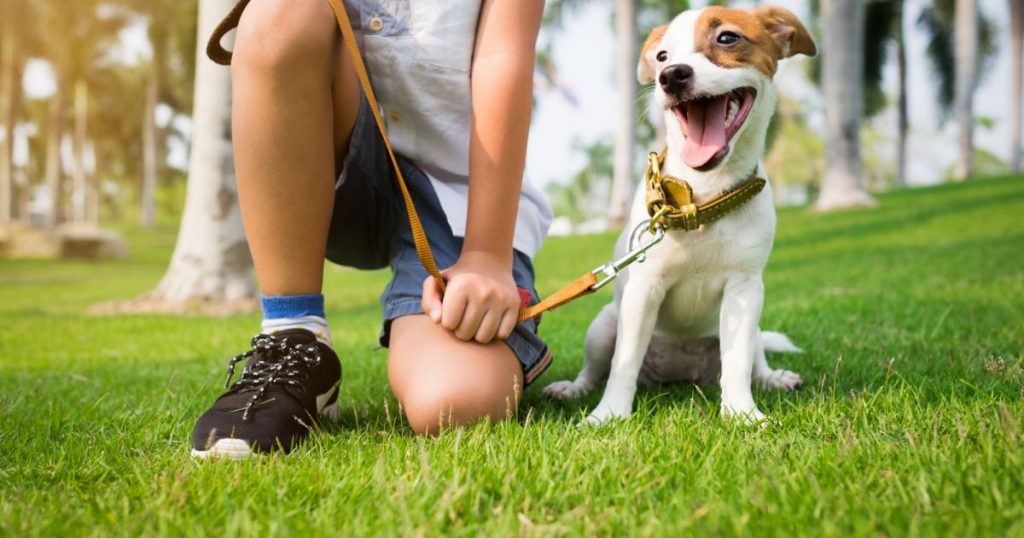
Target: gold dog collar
[670, 200]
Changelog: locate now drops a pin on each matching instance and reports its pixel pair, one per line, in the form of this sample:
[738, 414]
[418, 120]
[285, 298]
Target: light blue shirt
[419, 54]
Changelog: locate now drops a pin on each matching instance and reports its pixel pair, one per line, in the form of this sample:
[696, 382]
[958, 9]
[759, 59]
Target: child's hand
[481, 301]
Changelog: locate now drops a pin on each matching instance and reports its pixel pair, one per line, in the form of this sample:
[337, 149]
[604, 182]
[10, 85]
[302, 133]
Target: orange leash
[418, 235]
[585, 284]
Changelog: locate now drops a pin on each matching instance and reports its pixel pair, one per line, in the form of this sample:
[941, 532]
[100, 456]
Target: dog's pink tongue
[705, 124]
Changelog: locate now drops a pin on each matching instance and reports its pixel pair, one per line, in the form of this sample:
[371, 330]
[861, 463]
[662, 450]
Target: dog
[690, 312]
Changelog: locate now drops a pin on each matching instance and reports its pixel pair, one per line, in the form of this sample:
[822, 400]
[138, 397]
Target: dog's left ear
[787, 31]
[645, 67]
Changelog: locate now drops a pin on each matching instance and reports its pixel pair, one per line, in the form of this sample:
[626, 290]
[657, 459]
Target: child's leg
[294, 103]
[442, 381]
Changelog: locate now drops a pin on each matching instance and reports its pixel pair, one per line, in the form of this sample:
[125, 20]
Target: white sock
[314, 324]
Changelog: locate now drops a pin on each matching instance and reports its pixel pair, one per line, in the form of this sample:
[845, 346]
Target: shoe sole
[239, 449]
[231, 449]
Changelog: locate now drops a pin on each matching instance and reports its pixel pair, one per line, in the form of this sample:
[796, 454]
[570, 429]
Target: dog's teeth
[731, 115]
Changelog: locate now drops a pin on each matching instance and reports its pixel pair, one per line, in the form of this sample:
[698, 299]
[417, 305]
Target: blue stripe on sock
[292, 306]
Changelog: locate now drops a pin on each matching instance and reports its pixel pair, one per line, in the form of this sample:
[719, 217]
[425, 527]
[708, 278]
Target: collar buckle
[687, 217]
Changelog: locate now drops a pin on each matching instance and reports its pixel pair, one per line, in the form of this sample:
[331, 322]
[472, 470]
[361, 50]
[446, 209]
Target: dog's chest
[699, 271]
[698, 266]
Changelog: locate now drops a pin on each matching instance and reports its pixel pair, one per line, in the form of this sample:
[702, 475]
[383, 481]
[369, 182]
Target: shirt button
[376, 24]
[395, 116]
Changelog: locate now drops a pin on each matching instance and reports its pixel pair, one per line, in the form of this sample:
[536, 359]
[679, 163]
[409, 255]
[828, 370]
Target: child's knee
[444, 402]
[285, 36]
[443, 382]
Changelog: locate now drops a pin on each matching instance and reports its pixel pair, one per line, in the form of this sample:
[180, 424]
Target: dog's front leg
[638, 311]
[742, 300]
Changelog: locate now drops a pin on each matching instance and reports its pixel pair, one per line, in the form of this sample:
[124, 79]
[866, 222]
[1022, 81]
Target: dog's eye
[662, 56]
[728, 38]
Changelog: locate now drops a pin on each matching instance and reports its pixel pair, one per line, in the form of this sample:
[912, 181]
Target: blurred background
[112, 122]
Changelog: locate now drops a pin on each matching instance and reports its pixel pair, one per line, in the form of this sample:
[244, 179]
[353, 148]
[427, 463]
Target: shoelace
[280, 362]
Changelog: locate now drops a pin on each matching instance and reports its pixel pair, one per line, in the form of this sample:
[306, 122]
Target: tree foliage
[937, 20]
[84, 41]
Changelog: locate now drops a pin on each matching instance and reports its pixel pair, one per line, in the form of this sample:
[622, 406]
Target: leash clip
[635, 255]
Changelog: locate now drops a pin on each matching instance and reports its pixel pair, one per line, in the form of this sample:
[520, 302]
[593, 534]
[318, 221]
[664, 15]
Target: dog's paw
[747, 417]
[565, 390]
[603, 414]
[779, 380]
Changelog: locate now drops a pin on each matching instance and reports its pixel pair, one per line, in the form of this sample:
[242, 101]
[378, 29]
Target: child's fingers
[488, 327]
[508, 323]
[432, 299]
[470, 322]
[453, 310]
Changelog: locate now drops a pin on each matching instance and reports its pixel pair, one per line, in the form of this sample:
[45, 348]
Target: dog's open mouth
[709, 123]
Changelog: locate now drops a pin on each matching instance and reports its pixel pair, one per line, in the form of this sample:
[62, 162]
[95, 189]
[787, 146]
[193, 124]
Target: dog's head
[712, 70]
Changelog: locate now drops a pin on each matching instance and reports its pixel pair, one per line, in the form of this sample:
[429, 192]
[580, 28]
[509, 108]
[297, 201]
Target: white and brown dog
[692, 309]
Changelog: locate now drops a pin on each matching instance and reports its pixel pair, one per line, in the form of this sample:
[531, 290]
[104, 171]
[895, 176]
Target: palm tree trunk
[622, 175]
[88, 166]
[147, 216]
[80, 184]
[211, 260]
[903, 122]
[843, 62]
[7, 69]
[95, 196]
[1016, 95]
[966, 54]
[52, 173]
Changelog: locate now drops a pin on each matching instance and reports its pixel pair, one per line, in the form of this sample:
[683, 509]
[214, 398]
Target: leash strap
[214, 49]
[418, 235]
[583, 285]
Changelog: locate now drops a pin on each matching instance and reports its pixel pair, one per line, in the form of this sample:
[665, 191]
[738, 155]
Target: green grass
[908, 424]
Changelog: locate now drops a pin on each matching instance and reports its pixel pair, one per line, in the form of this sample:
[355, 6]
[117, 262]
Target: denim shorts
[370, 230]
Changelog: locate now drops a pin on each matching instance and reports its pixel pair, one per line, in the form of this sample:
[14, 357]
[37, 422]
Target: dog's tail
[778, 343]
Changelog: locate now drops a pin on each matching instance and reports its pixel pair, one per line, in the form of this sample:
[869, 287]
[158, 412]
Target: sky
[584, 51]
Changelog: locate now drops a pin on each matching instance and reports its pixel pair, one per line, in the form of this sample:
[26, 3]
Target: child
[454, 82]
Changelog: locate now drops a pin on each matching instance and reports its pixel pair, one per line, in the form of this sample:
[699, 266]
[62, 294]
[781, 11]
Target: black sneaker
[289, 380]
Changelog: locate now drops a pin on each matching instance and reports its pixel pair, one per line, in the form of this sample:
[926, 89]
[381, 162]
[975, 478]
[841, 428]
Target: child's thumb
[432, 298]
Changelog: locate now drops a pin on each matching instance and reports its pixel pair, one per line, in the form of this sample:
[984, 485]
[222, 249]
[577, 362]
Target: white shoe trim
[322, 399]
[232, 449]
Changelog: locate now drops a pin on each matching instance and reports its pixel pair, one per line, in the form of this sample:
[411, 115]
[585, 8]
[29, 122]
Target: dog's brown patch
[767, 35]
[645, 68]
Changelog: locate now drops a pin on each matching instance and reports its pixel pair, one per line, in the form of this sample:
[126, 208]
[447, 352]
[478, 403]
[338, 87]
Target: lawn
[909, 422]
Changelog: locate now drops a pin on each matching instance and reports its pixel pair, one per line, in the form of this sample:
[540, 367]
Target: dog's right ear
[645, 67]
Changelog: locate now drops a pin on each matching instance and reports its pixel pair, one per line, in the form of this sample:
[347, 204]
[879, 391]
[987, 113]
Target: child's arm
[481, 301]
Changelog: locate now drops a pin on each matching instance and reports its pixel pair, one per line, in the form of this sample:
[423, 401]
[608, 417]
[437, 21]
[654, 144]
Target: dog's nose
[675, 77]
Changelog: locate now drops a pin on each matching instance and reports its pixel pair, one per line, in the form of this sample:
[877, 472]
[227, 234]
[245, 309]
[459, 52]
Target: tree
[630, 29]
[91, 34]
[171, 29]
[966, 52]
[52, 172]
[147, 193]
[210, 270]
[585, 196]
[902, 112]
[7, 121]
[941, 21]
[78, 58]
[843, 61]
[625, 139]
[1016, 95]
[884, 32]
[17, 42]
